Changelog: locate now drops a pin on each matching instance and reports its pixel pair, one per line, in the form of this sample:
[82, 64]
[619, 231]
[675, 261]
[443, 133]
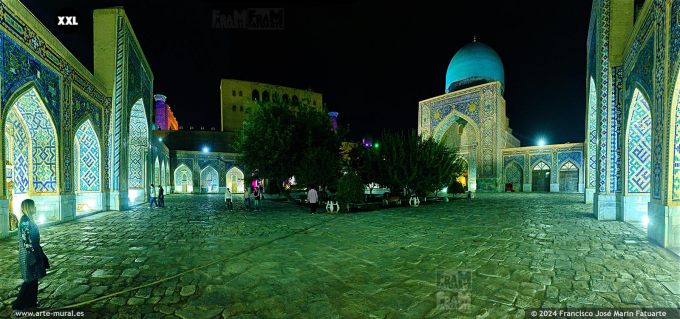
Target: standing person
[152, 196]
[246, 197]
[312, 199]
[251, 197]
[261, 192]
[161, 196]
[256, 197]
[228, 199]
[32, 260]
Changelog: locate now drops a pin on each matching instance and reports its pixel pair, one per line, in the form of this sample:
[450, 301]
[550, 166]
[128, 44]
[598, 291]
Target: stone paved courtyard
[522, 251]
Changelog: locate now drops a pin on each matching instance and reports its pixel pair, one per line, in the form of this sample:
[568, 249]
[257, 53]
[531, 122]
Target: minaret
[160, 112]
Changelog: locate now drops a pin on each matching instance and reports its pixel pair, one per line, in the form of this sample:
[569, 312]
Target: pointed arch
[568, 166]
[162, 174]
[168, 181]
[41, 147]
[31, 150]
[591, 135]
[567, 177]
[514, 174]
[138, 141]
[235, 180]
[87, 158]
[17, 153]
[156, 172]
[183, 179]
[540, 177]
[540, 166]
[638, 145]
[209, 180]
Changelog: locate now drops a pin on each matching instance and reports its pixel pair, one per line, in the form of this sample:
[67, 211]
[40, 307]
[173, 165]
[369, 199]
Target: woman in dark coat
[32, 262]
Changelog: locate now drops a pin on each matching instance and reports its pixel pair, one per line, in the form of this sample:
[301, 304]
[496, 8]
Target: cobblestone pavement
[521, 251]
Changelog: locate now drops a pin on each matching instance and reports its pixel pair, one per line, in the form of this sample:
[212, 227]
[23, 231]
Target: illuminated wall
[237, 97]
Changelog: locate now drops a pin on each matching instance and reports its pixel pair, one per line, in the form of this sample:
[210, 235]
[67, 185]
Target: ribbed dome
[475, 63]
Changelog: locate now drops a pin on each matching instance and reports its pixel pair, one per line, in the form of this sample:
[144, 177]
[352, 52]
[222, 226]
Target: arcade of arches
[79, 142]
[633, 117]
[628, 166]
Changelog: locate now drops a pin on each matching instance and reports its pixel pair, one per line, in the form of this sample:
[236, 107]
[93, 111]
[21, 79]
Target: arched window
[541, 167]
[569, 166]
[256, 95]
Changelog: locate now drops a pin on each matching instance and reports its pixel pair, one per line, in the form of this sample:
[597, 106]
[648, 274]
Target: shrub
[350, 190]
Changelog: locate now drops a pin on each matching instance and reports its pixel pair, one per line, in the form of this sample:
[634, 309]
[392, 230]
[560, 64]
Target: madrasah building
[470, 116]
[628, 167]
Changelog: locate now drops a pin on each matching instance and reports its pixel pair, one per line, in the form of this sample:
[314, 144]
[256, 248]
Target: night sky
[372, 61]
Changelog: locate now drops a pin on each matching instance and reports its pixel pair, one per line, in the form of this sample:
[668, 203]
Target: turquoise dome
[475, 63]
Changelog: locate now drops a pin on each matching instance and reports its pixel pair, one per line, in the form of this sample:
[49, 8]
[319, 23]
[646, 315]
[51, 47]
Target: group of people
[252, 198]
[153, 200]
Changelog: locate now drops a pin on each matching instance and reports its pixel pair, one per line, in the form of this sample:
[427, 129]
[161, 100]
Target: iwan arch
[629, 164]
[471, 117]
[74, 141]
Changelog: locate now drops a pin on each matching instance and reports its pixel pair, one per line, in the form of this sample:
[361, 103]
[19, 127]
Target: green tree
[350, 190]
[319, 146]
[367, 163]
[438, 167]
[281, 141]
[265, 142]
[416, 165]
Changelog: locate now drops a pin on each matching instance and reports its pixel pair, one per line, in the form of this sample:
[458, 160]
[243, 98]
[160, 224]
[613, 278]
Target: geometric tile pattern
[639, 143]
[162, 173]
[183, 175]
[156, 172]
[167, 174]
[604, 95]
[592, 134]
[43, 159]
[657, 103]
[87, 158]
[21, 67]
[465, 104]
[18, 144]
[519, 159]
[116, 116]
[676, 151]
[547, 158]
[138, 136]
[575, 157]
[209, 178]
[513, 174]
[616, 112]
